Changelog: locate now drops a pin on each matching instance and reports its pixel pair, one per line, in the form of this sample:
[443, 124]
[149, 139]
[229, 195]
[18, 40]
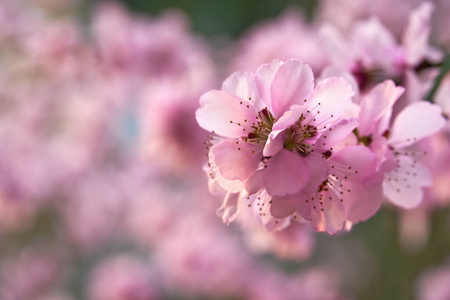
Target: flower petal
[275, 141]
[442, 97]
[286, 173]
[242, 85]
[360, 208]
[404, 185]
[229, 208]
[330, 99]
[357, 163]
[318, 170]
[336, 133]
[377, 104]
[289, 117]
[225, 114]
[232, 186]
[330, 218]
[375, 45]
[415, 39]
[336, 45]
[264, 78]
[254, 183]
[415, 122]
[292, 84]
[236, 160]
[281, 207]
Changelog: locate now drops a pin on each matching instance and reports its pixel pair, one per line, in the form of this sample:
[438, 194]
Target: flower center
[261, 128]
[297, 136]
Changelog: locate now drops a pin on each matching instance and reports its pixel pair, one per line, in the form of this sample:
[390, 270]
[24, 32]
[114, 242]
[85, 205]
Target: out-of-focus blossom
[414, 229]
[166, 69]
[149, 48]
[372, 54]
[433, 284]
[94, 210]
[311, 284]
[442, 97]
[30, 274]
[345, 13]
[287, 37]
[199, 264]
[166, 118]
[123, 277]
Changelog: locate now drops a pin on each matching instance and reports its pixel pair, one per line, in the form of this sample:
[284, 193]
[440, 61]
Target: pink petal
[375, 44]
[264, 78]
[403, 186]
[383, 153]
[357, 163]
[221, 113]
[416, 88]
[242, 85]
[377, 104]
[292, 84]
[255, 183]
[281, 207]
[262, 212]
[405, 198]
[236, 160]
[341, 53]
[318, 170]
[286, 173]
[339, 131]
[289, 117]
[442, 97]
[301, 206]
[330, 99]
[335, 71]
[415, 39]
[415, 122]
[229, 208]
[360, 208]
[275, 141]
[331, 219]
[232, 186]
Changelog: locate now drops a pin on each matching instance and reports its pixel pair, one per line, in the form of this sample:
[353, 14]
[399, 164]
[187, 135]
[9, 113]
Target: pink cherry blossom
[372, 53]
[404, 176]
[276, 153]
[330, 204]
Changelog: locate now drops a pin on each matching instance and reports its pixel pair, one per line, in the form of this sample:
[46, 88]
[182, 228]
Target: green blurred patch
[222, 17]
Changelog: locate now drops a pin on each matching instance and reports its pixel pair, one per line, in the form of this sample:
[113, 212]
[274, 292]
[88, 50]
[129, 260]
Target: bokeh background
[102, 192]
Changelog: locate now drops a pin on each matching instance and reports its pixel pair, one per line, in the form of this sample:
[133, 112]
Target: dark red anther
[266, 113]
[252, 135]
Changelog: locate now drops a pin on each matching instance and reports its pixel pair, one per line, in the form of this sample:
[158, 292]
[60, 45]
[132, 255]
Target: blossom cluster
[326, 150]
